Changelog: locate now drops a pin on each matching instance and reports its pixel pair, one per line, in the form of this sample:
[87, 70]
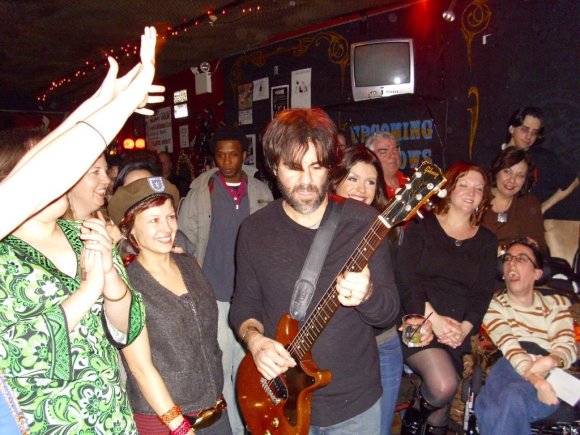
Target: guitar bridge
[275, 389]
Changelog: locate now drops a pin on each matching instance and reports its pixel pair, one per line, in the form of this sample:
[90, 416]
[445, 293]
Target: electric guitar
[282, 405]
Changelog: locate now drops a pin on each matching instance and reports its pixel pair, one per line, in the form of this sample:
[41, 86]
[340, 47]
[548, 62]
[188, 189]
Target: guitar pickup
[275, 389]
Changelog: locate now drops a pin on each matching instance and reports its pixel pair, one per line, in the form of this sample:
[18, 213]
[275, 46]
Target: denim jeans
[367, 423]
[232, 355]
[8, 425]
[508, 404]
[391, 360]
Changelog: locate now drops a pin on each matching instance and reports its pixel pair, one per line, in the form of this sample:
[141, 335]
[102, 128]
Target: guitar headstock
[427, 180]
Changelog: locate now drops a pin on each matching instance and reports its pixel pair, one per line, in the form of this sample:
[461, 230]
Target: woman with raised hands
[65, 303]
[65, 154]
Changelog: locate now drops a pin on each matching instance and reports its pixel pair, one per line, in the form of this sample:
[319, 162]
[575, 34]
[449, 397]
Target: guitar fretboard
[427, 181]
[328, 304]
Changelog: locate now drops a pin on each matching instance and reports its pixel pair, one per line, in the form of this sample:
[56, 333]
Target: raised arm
[558, 196]
[61, 158]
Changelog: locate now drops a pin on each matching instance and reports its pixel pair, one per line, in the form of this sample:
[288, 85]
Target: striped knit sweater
[547, 322]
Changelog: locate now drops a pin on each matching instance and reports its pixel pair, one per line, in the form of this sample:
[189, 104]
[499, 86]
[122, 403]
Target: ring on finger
[349, 294]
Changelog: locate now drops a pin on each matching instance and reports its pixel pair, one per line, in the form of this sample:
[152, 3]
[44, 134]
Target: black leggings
[439, 381]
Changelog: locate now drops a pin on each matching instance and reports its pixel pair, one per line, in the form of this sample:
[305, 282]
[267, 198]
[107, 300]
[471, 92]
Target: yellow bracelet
[117, 299]
[170, 415]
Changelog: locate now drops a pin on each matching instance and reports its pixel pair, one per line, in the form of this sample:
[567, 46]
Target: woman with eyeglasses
[515, 213]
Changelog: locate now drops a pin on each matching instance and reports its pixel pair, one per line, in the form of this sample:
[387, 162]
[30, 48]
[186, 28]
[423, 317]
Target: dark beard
[303, 207]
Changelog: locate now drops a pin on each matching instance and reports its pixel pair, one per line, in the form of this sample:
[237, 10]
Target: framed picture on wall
[279, 98]
[251, 155]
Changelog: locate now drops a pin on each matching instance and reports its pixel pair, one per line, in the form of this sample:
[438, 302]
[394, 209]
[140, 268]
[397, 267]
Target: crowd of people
[127, 304]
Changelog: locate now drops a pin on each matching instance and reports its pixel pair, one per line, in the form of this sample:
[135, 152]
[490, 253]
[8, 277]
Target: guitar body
[281, 406]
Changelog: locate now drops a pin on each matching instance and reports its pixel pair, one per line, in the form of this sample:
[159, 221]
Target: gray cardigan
[183, 338]
[195, 210]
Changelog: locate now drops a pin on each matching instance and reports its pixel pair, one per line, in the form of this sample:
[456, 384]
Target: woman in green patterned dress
[65, 306]
[64, 299]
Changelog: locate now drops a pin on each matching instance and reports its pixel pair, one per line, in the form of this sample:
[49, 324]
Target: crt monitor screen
[382, 64]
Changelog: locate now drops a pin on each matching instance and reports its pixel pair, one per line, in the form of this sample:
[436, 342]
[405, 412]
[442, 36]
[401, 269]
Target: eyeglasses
[528, 131]
[520, 259]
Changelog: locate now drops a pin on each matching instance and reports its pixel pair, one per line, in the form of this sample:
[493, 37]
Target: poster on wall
[251, 155]
[261, 89]
[158, 130]
[245, 96]
[301, 88]
[279, 99]
[245, 103]
[183, 136]
[245, 117]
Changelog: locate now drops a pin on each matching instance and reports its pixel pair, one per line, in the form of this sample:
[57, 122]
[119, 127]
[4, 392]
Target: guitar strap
[306, 284]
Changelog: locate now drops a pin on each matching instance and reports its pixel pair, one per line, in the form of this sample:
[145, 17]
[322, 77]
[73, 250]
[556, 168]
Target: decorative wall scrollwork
[474, 111]
[474, 20]
[337, 53]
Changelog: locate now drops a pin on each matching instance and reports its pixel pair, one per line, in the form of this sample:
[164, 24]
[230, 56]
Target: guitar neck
[427, 180]
[328, 304]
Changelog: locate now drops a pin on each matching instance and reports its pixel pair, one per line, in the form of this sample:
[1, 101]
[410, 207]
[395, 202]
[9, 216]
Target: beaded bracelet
[173, 413]
[183, 428]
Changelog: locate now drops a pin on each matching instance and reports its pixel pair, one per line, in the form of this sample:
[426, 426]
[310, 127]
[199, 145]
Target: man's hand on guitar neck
[354, 287]
[270, 357]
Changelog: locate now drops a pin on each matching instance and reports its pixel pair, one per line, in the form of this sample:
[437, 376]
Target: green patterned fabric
[65, 383]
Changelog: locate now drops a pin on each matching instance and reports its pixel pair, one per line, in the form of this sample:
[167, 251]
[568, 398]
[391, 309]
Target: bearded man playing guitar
[299, 147]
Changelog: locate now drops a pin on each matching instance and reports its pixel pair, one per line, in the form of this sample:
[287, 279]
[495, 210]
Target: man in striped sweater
[535, 334]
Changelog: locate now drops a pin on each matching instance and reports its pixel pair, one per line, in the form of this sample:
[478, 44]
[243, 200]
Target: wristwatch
[560, 363]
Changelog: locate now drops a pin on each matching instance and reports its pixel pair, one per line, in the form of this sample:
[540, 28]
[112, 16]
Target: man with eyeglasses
[388, 150]
[535, 334]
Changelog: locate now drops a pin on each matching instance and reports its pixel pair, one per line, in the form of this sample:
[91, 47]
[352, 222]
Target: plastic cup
[412, 330]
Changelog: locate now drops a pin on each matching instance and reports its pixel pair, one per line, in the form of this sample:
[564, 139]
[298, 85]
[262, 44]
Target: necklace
[458, 242]
[502, 216]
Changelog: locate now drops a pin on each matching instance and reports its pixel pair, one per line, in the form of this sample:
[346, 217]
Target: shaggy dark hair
[506, 159]
[517, 120]
[288, 135]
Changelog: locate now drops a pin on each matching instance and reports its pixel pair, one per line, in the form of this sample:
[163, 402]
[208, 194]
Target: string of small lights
[131, 49]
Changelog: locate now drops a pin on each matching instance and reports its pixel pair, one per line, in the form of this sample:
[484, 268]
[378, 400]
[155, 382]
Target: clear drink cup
[412, 329]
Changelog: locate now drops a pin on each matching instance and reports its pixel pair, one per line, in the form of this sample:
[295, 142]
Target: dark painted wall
[521, 52]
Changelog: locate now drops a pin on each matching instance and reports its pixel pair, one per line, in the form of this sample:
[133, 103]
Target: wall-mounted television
[382, 68]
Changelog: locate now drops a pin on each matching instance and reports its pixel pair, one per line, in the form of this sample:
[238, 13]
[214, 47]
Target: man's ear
[244, 156]
[511, 129]
[538, 273]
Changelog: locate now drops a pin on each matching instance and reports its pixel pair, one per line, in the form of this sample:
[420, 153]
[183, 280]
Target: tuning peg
[442, 193]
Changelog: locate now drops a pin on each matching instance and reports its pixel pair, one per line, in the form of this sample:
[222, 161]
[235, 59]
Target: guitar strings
[329, 299]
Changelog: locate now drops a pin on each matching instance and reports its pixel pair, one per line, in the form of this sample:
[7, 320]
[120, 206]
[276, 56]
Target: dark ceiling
[51, 40]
